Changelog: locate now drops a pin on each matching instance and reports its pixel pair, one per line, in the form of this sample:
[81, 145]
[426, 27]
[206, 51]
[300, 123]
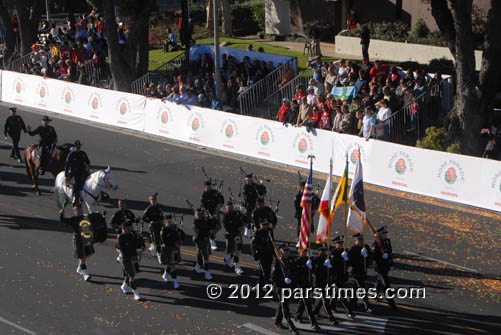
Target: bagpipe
[93, 229]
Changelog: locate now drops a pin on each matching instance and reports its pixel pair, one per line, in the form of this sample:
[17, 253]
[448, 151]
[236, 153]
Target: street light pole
[47, 10]
[216, 50]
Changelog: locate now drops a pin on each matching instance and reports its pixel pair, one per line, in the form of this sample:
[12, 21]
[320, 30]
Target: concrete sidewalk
[327, 49]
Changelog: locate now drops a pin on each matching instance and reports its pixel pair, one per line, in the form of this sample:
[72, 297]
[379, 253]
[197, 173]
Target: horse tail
[27, 160]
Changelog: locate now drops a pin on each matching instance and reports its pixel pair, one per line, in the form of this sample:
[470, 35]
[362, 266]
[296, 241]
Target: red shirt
[66, 53]
[282, 112]
[315, 117]
[298, 96]
[325, 121]
[382, 71]
[78, 55]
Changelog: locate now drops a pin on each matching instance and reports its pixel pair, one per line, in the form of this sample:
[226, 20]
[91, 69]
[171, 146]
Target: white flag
[323, 208]
[356, 215]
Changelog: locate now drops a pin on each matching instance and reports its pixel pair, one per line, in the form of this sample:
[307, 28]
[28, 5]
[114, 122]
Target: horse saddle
[37, 152]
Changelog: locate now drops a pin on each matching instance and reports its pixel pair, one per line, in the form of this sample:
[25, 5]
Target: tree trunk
[129, 62]
[226, 17]
[210, 15]
[9, 37]
[28, 15]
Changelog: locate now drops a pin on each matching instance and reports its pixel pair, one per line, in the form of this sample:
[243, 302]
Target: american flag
[304, 232]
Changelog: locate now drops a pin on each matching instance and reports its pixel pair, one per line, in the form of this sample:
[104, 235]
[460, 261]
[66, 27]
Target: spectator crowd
[379, 90]
[195, 84]
[63, 51]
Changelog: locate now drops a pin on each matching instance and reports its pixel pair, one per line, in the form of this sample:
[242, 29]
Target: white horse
[91, 191]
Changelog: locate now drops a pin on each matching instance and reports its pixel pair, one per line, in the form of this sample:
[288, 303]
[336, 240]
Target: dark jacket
[77, 163]
[13, 126]
[48, 136]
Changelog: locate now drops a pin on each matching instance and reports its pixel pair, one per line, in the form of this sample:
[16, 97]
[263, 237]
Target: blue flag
[344, 93]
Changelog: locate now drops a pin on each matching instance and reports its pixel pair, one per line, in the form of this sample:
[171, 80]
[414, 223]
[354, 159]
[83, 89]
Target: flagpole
[311, 157]
[345, 216]
[329, 223]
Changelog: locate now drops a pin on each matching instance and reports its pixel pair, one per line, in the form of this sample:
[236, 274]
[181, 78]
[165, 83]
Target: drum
[93, 229]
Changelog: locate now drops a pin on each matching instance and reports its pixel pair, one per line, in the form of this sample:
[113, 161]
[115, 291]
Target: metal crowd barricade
[409, 123]
[157, 74]
[251, 100]
[16, 64]
[272, 102]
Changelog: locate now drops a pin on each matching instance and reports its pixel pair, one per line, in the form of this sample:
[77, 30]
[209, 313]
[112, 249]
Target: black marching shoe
[280, 325]
[315, 327]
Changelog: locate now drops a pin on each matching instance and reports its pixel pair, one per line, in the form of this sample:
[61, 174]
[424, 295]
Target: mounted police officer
[359, 256]
[153, 216]
[48, 139]
[262, 248]
[234, 223]
[13, 126]
[77, 166]
[281, 281]
[383, 257]
[128, 244]
[211, 200]
[172, 239]
[202, 227]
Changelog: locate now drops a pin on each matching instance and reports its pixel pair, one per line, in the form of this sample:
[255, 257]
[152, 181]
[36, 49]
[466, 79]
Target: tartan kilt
[170, 256]
[80, 250]
[233, 244]
[129, 266]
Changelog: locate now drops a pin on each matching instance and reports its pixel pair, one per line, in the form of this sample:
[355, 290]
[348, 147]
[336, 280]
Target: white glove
[364, 252]
[345, 256]
[6, 138]
[327, 264]
[392, 268]
[385, 256]
[287, 281]
[257, 262]
[308, 264]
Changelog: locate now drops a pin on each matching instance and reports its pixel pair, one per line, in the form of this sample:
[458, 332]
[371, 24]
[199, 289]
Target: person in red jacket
[299, 93]
[315, 117]
[379, 70]
[284, 110]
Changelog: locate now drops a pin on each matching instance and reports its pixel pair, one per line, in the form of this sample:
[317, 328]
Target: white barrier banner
[462, 179]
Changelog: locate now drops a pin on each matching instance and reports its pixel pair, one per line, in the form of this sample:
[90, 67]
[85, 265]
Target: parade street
[450, 250]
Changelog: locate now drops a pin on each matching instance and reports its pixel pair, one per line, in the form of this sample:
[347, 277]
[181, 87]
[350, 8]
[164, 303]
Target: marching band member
[202, 229]
[80, 251]
[154, 217]
[128, 243]
[172, 239]
[233, 222]
[212, 200]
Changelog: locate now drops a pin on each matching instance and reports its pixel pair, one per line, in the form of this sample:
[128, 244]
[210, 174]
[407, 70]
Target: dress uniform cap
[168, 216]
[229, 203]
[358, 236]
[338, 239]
[46, 118]
[260, 200]
[248, 175]
[382, 230]
[207, 183]
[284, 247]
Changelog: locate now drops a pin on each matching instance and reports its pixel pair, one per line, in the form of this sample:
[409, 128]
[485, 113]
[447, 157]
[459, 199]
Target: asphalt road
[450, 250]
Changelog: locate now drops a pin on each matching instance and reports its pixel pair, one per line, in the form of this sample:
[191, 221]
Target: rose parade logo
[400, 166]
[355, 156]
[229, 131]
[451, 172]
[229, 128]
[196, 121]
[164, 117]
[265, 135]
[42, 92]
[18, 86]
[67, 95]
[303, 143]
[123, 106]
[355, 152]
[95, 103]
[451, 176]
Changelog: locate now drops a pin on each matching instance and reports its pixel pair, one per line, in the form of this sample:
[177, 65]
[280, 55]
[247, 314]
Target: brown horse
[55, 162]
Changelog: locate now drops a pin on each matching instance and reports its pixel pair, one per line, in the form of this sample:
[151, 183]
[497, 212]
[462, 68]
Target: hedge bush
[400, 32]
[434, 139]
[322, 30]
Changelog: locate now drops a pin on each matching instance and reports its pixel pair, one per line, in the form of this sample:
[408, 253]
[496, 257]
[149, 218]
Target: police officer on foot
[202, 231]
[281, 280]
[262, 248]
[80, 251]
[383, 257]
[359, 256]
[172, 239]
[234, 223]
[153, 216]
[212, 200]
[339, 262]
[13, 126]
[322, 269]
[48, 139]
[77, 166]
[302, 278]
[128, 243]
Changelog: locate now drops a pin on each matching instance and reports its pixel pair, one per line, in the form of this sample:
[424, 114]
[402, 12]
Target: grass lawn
[157, 56]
